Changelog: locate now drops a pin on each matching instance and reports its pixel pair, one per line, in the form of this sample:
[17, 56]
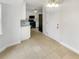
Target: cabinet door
[25, 32]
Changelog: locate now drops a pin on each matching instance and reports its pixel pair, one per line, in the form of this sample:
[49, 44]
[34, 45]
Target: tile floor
[38, 47]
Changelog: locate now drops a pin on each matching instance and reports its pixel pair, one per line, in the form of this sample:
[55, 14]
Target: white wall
[11, 16]
[50, 21]
[67, 16]
[0, 19]
[70, 22]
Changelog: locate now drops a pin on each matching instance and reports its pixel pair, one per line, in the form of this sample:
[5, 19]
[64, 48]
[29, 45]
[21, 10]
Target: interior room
[39, 29]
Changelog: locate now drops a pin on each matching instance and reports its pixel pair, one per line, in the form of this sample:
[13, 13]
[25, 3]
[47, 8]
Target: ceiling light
[56, 5]
[52, 3]
[49, 5]
[35, 11]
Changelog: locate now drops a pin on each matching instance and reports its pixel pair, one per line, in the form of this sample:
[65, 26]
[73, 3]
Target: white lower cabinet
[26, 32]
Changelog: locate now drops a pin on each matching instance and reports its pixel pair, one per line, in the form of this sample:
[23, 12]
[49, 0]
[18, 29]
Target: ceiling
[35, 4]
[11, 1]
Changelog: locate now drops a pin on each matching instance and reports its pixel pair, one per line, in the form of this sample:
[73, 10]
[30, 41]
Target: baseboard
[2, 49]
[26, 38]
[9, 45]
[12, 44]
[69, 47]
[65, 45]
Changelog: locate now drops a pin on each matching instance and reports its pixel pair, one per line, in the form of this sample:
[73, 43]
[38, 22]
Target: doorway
[41, 22]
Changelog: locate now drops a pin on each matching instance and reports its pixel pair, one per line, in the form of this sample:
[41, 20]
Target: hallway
[38, 47]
